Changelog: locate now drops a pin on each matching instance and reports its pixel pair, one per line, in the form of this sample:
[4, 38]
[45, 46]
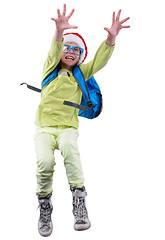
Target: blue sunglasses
[76, 50]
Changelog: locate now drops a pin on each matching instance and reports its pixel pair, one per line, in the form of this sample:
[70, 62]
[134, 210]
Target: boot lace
[79, 209]
[45, 212]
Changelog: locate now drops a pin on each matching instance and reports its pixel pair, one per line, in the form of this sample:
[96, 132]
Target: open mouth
[70, 57]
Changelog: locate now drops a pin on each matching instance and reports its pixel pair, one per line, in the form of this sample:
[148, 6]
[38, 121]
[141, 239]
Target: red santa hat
[78, 39]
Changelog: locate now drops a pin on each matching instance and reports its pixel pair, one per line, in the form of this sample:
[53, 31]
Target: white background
[122, 151]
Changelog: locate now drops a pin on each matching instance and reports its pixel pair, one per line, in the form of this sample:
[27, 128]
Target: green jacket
[51, 111]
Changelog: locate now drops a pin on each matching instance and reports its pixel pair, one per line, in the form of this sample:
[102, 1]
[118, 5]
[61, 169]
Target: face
[69, 59]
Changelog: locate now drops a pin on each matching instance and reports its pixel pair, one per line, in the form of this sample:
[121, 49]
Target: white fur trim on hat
[77, 38]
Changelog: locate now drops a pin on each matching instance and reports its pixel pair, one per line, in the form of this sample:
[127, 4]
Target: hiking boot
[45, 225]
[80, 213]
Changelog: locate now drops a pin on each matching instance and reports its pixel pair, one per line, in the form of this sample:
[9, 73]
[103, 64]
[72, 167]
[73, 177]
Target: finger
[125, 26]
[54, 19]
[58, 12]
[73, 26]
[64, 10]
[124, 20]
[118, 15]
[69, 27]
[71, 13]
[106, 29]
[113, 17]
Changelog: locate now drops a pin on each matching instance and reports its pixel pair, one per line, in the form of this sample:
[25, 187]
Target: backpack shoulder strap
[48, 79]
[81, 82]
[84, 88]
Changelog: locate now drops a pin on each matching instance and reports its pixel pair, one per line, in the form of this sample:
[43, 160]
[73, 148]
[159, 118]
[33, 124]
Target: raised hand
[62, 20]
[116, 26]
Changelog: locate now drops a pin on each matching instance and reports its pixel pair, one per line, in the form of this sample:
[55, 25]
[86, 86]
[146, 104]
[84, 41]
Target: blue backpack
[91, 102]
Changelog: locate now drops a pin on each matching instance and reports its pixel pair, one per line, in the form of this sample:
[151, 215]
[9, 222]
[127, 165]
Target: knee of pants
[68, 141]
[46, 165]
[68, 148]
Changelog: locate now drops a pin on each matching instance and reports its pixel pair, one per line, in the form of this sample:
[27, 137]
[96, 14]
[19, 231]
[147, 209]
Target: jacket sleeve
[53, 58]
[100, 59]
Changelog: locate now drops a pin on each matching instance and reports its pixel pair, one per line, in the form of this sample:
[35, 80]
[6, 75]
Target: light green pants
[46, 141]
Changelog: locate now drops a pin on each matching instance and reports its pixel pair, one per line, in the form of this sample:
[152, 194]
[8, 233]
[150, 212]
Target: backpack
[91, 102]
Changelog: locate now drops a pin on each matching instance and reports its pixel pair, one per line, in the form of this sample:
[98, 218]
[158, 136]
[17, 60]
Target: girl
[57, 124]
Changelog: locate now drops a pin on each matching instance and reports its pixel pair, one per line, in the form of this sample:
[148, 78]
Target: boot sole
[46, 234]
[80, 228]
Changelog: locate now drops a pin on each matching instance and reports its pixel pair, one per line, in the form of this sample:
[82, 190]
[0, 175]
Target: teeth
[70, 58]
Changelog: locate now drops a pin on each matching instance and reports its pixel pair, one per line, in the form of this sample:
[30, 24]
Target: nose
[71, 50]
